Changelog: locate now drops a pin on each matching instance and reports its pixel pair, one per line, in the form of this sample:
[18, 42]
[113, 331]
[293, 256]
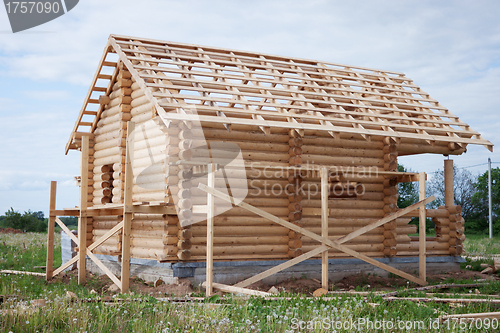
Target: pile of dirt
[296, 286]
[11, 231]
[182, 288]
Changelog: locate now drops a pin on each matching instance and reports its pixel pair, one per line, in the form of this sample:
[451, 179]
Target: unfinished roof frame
[267, 91]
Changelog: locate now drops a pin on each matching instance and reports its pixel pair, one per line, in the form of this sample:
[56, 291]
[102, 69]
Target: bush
[28, 222]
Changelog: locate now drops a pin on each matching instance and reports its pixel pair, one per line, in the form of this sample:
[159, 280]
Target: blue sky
[449, 48]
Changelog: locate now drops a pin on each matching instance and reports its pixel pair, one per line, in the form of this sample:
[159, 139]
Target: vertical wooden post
[82, 225]
[324, 226]
[127, 214]
[210, 229]
[490, 208]
[449, 193]
[421, 231]
[50, 231]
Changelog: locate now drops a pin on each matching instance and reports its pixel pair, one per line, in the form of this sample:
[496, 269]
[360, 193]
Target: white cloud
[48, 95]
[33, 185]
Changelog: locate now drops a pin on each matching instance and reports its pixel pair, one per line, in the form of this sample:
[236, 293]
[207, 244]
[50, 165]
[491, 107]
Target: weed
[137, 313]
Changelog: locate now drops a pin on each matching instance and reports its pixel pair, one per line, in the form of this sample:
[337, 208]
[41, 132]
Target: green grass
[141, 313]
[479, 245]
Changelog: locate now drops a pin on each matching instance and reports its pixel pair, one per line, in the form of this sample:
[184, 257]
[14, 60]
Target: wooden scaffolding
[129, 208]
[241, 96]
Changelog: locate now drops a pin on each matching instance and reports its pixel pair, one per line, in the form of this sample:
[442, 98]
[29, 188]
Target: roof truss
[234, 87]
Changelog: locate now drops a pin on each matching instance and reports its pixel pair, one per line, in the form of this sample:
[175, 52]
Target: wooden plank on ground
[444, 300]
[8, 271]
[470, 316]
[236, 290]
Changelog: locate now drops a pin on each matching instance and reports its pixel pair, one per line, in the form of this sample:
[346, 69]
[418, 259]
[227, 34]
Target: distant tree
[463, 182]
[480, 217]
[408, 195]
[39, 215]
[29, 221]
[13, 219]
[408, 192]
[70, 221]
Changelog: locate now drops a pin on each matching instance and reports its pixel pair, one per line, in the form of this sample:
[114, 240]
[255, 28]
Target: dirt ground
[11, 231]
[102, 284]
[366, 282]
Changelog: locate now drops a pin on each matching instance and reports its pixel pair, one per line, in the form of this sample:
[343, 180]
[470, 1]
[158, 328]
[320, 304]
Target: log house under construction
[317, 144]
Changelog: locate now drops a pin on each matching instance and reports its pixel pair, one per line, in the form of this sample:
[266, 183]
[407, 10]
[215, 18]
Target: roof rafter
[238, 87]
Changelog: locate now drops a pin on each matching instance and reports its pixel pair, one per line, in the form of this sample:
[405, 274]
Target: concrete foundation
[231, 272]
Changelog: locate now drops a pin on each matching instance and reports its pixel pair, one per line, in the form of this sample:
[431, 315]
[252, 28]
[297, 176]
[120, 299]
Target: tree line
[471, 192]
[30, 221]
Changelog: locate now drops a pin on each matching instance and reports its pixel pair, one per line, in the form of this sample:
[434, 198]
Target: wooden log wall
[355, 199]
[450, 230]
[239, 234]
[153, 236]
[180, 184]
[110, 147]
[238, 231]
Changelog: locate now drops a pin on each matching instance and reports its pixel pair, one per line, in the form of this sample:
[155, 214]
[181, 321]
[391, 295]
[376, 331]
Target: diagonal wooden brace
[312, 235]
[104, 269]
[283, 266]
[65, 265]
[106, 236]
[384, 220]
[67, 231]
